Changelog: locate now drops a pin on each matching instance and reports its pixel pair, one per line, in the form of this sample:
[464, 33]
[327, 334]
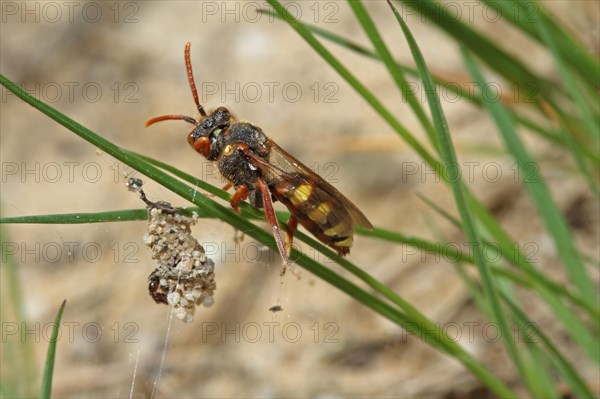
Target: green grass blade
[535, 279]
[572, 88]
[575, 93]
[46, 390]
[573, 146]
[525, 15]
[396, 73]
[460, 196]
[20, 352]
[530, 373]
[448, 86]
[540, 194]
[80, 218]
[580, 389]
[356, 84]
[497, 59]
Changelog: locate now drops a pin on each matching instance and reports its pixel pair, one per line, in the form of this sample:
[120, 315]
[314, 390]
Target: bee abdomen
[320, 214]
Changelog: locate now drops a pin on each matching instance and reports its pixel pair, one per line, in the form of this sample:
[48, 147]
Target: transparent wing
[282, 168]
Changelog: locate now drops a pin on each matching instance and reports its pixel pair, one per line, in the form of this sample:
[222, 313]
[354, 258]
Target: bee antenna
[162, 118]
[190, 74]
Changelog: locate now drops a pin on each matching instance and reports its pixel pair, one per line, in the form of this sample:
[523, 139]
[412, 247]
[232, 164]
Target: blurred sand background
[124, 66]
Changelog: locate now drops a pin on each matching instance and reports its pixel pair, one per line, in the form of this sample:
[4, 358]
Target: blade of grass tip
[384, 55]
[355, 84]
[46, 389]
[458, 189]
[555, 223]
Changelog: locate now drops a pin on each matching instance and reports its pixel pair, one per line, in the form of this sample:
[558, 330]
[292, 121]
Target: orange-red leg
[227, 186]
[261, 186]
[292, 226]
[240, 195]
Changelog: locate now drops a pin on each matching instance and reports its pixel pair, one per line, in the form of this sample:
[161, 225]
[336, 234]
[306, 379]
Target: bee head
[204, 135]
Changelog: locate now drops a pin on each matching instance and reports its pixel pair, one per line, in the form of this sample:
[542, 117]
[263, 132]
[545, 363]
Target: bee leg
[240, 195]
[292, 226]
[261, 187]
[227, 186]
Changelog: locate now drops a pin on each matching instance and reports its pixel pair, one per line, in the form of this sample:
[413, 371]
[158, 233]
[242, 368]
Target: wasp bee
[262, 172]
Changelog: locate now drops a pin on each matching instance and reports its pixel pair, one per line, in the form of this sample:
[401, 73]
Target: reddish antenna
[190, 75]
[161, 118]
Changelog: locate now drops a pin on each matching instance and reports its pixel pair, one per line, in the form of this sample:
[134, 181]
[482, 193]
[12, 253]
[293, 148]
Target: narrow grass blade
[458, 189]
[540, 194]
[46, 389]
[590, 122]
[535, 279]
[529, 331]
[356, 84]
[384, 54]
[449, 87]
[20, 352]
[574, 91]
[528, 373]
[497, 59]
[526, 15]
[79, 218]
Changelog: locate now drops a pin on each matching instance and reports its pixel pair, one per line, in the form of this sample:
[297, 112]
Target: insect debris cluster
[184, 277]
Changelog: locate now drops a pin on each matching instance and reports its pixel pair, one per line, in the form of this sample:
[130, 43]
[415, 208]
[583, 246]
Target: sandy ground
[113, 65]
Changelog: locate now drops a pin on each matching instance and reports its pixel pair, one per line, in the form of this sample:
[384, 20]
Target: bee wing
[282, 167]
